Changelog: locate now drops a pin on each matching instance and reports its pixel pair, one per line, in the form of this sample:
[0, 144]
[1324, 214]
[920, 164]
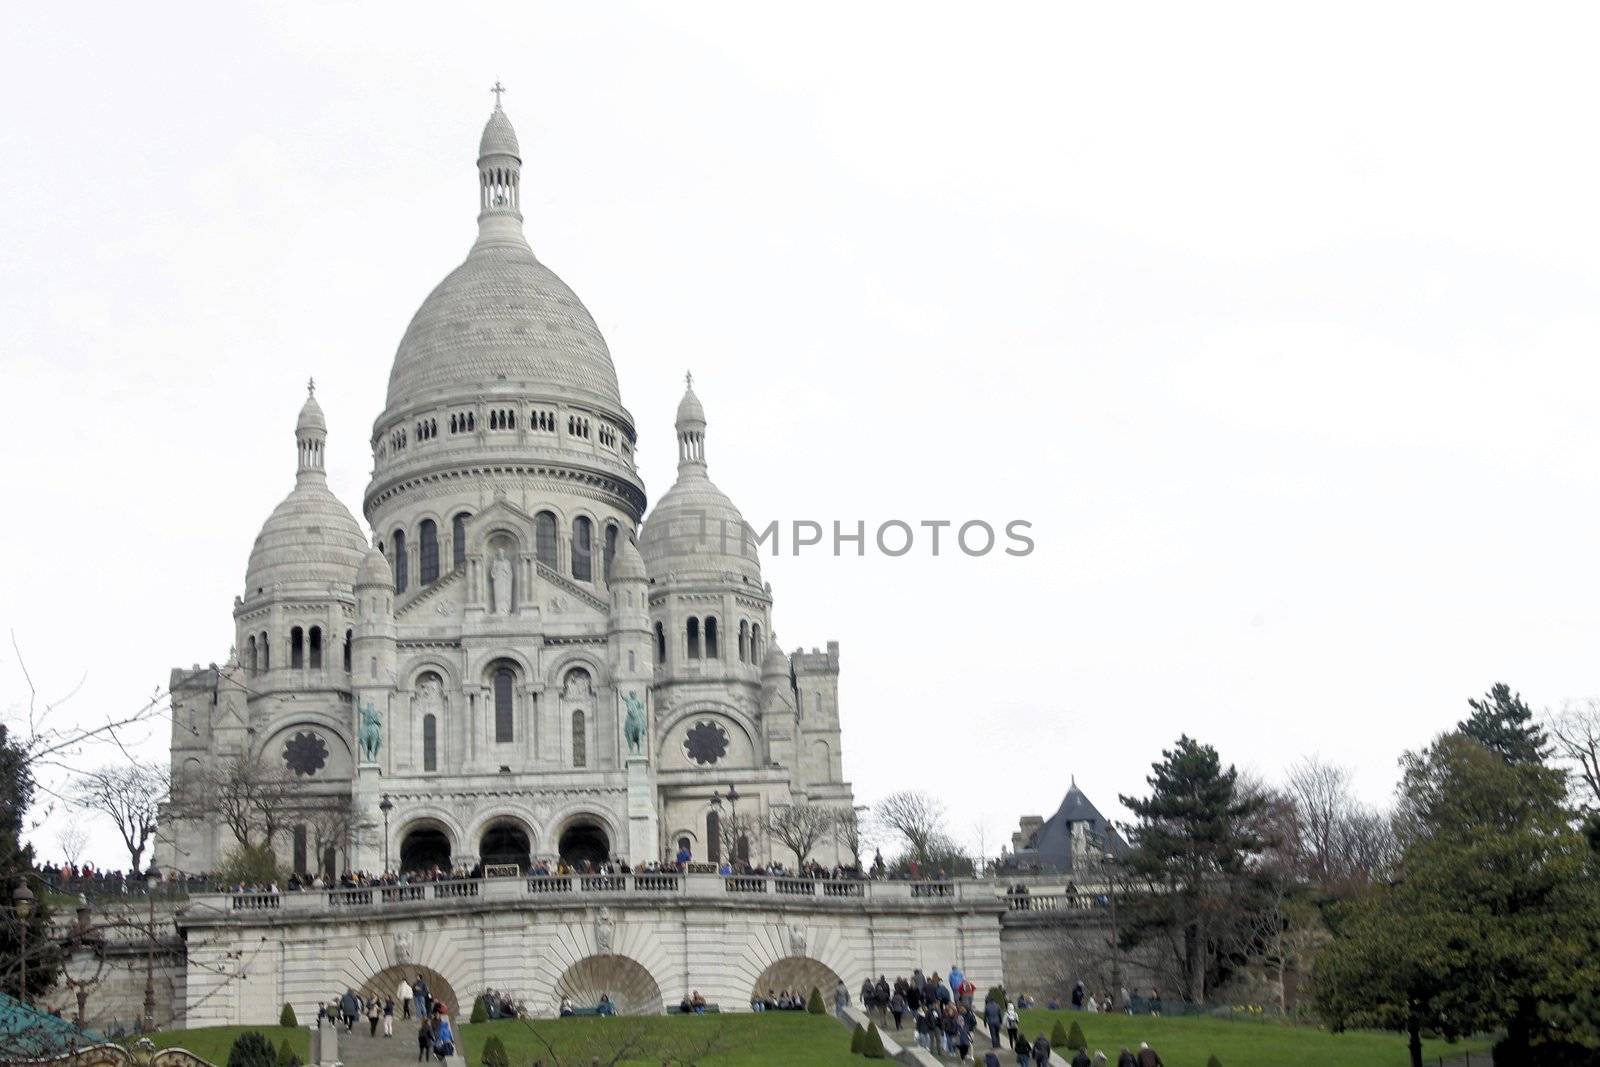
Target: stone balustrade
[568, 888]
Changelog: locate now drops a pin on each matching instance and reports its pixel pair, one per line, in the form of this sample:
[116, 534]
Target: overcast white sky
[1279, 325]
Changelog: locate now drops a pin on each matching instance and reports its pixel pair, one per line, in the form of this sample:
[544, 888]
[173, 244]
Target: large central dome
[502, 320]
[502, 316]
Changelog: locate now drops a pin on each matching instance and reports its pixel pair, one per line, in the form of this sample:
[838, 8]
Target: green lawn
[792, 1039]
[213, 1042]
[1189, 1042]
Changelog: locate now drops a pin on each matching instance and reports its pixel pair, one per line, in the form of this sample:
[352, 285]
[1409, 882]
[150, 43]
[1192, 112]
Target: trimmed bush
[1075, 1038]
[251, 1049]
[286, 1016]
[494, 1053]
[1058, 1036]
[873, 1048]
[286, 1056]
[814, 1005]
[1213, 1061]
[997, 993]
[480, 1011]
[858, 1041]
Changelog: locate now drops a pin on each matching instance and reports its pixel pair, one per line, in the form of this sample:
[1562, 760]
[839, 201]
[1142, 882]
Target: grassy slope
[792, 1039]
[1189, 1042]
[213, 1042]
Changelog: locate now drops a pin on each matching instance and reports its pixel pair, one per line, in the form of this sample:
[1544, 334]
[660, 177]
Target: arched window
[316, 648]
[758, 651]
[349, 640]
[694, 637]
[713, 837]
[430, 743]
[458, 540]
[505, 680]
[744, 640]
[300, 850]
[582, 549]
[428, 556]
[297, 648]
[250, 654]
[399, 561]
[711, 638]
[611, 548]
[266, 653]
[661, 645]
[544, 538]
[580, 746]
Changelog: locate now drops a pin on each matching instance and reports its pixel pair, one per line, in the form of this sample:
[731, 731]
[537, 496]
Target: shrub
[286, 1016]
[480, 1011]
[494, 1053]
[251, 1049]
[858, 1041]
[286, 1056]
[873, 1048]
[997, 993]
[249, 865]
[1213, 1061]
[1075, 1038]
[1058, 1036]
[814, 1005]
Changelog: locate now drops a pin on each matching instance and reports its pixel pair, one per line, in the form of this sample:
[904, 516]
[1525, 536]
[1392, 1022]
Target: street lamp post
[386, 806]
[85, 946]
[732, 797]
[152, 882]
[1116, 937]
[22, 900]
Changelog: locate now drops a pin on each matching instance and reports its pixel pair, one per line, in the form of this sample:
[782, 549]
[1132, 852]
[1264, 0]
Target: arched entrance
[798, 974]
[424, 848]
[625, 981]
[584, 840]
[503, 844]
[384, 982]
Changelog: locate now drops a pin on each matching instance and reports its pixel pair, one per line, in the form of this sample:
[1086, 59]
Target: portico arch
[799, 974]
[505, 841]
[632, 989]
[386, 981]
[425, 844]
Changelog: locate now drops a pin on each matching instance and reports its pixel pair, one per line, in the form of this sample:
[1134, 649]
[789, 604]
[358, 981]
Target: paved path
[357, 1049]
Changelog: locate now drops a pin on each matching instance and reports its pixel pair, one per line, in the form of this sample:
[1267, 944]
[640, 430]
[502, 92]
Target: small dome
[629, 566]
[498, 137]
[309, 538]
[777, 661]
[695, 529]
[311, 417]
[689, 410]
[375, 570]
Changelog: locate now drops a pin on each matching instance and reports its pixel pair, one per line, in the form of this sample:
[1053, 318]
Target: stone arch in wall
[384, 983]
[625, 980]
[800, 974]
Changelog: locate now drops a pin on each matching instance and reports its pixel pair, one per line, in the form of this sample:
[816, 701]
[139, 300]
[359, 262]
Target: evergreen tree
[494, 1053]
[480, 1011]
[997, 993]
[286, 1056]
[1194, 844]
[251, 1049]
[858, 1040]
[1058, 1036]
[1075, 1038]
[1504, 724]
[16, 868]
[873, 1048]
[286, 1016]
[814, 1005]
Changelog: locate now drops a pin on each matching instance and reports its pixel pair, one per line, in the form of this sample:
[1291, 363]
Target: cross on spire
[311, 386]
[497, 89]
[688, 379]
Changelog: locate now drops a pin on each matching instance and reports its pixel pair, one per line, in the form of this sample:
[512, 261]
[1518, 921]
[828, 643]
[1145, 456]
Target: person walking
[402, 993]
[1041, 1050]
[1127, 1059]
[349, 1009]
[991, 1059]
[1012, 1023]
[444, 1038]
[419, 994]
[1080, 1058]
[964, 1034]
[424, 1039]
[841, 997]
[1023, 1048]
[991, 1019]
[388, 1017]
[897, 1007]
[374, 1013]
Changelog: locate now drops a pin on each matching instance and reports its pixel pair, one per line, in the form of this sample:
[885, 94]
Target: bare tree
[1332, 837]
[848, 826]
[800, 826]
[71, 838]
[1576, 730]
[250, 797]
[915, 818]
[130, 795]
[732, 829]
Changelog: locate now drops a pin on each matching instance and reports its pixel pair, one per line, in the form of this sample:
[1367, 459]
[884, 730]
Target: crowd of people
[779, 1000]
[436, 1036]
[943, 1014]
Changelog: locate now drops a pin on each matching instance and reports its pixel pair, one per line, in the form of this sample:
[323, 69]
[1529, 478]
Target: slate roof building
[1075, 839]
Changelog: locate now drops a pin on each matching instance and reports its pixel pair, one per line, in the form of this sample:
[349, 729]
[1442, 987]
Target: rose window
[705, 743]
[305, 753]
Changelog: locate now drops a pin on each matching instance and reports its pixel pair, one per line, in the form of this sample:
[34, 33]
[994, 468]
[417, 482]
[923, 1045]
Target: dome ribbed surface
[629, 565]
[690, 412]
[311, 417]
[503, 317]
[375, 570]
[695, 529]
[498, 137]
[310, 537]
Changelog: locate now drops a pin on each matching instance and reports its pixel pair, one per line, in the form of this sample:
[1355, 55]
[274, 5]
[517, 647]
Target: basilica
[518, 664]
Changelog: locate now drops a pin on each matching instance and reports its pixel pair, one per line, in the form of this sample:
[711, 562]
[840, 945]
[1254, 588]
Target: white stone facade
[510, 604]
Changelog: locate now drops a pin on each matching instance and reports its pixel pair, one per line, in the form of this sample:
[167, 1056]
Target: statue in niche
[576, 685]
[371, 733]
[602, 931]
[635, 724]
[430, 696]
[500, 582]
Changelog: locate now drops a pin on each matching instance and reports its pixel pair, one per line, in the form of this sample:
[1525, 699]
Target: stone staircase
[910, 1054]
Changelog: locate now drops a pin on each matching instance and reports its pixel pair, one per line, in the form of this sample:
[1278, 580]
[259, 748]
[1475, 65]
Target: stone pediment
[436, 601]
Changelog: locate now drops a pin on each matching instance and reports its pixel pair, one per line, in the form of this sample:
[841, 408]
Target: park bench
[587, 1011]
[709, 1009]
